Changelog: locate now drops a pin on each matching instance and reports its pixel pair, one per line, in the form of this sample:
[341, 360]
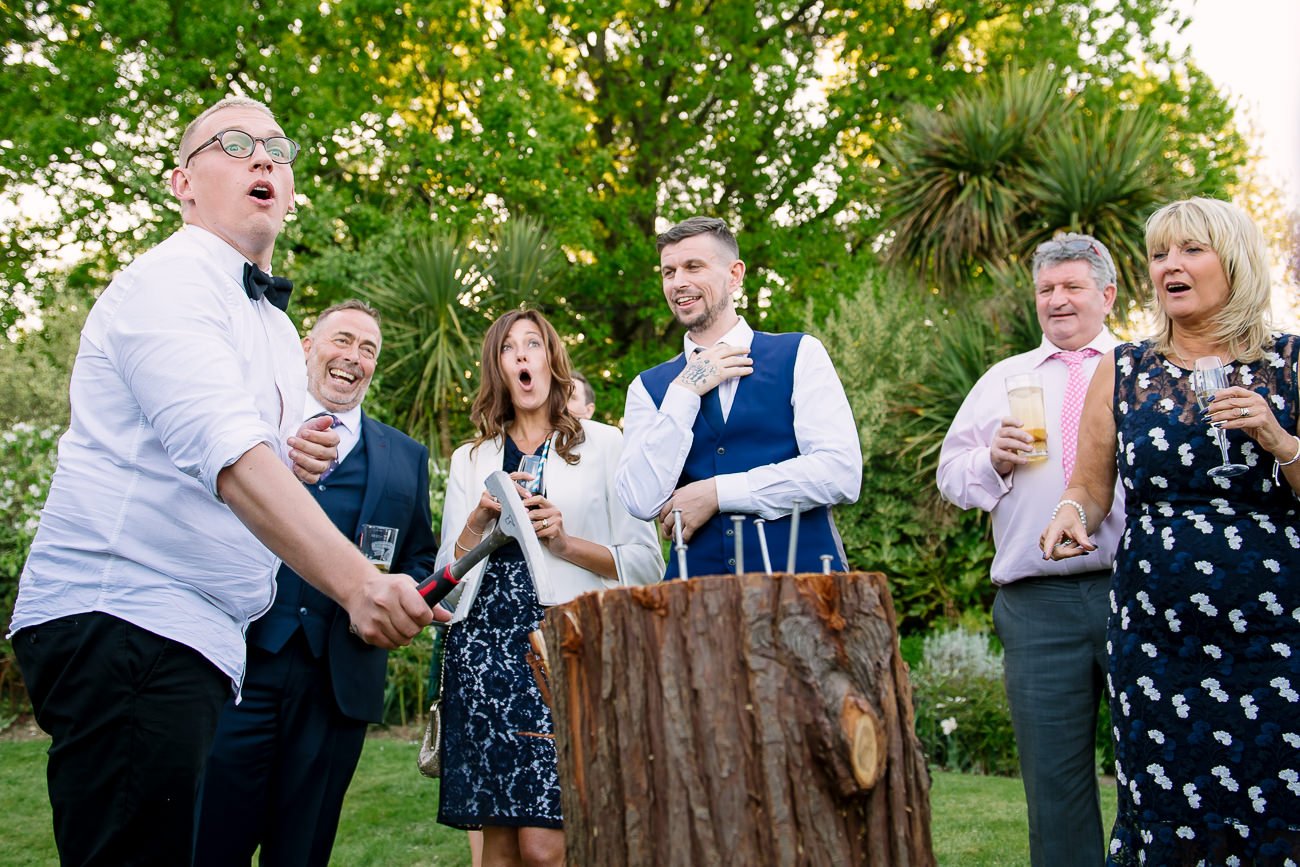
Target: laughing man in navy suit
[284, 756]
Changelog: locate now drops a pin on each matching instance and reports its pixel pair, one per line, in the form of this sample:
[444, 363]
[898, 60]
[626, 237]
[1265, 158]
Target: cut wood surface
[754, 719]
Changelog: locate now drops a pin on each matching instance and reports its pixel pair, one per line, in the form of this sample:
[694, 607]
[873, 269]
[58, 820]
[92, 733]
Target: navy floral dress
[1204, 634]
[498, 757]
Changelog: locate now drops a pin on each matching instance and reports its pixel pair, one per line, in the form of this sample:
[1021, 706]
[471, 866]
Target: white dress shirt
[348, 428]
[1022, 501]
[827, 471]
[178, 375]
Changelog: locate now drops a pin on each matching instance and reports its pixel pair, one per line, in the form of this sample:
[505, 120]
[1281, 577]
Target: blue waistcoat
[297, 603]
[758, 431]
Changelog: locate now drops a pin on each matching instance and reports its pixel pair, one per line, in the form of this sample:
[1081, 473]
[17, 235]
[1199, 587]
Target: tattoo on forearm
[698, 372]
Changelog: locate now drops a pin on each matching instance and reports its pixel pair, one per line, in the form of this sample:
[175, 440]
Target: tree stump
[753, 719]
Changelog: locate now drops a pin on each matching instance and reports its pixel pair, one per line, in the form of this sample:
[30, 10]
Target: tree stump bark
[754, 719]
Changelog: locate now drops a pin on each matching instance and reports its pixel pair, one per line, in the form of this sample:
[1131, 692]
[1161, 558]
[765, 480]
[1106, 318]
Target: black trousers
[131, 715]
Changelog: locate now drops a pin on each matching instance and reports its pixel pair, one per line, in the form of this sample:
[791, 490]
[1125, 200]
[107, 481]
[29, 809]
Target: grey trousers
[1053, 631]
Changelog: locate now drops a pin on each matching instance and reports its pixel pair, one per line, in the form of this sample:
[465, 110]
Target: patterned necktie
[334, 422]
[1072, 407]
[258, 283]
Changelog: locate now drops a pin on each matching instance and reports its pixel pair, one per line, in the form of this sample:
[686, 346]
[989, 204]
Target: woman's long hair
[493, 410]
[1243, 323]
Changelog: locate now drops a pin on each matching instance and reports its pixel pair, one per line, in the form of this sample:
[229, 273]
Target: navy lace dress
[498, 758]
[1204, 634]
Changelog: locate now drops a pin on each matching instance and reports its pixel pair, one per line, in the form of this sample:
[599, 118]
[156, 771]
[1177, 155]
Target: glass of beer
[379, 544]
[1025, 395]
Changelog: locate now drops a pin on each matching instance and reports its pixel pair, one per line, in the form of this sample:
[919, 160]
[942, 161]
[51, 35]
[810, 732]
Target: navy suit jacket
[396, 495]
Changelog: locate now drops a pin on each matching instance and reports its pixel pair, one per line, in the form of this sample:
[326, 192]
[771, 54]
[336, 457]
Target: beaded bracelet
[1083, 516]
[1278, 464]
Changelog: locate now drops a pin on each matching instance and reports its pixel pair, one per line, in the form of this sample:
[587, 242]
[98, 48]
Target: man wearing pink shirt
[1051, 620]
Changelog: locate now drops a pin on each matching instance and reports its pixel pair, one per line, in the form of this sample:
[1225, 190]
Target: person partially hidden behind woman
[1204, 633]
[498, 753]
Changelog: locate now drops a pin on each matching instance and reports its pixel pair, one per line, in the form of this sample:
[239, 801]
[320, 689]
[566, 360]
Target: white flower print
[1156, 735]
[1264, 523]
[1276, 568]
[1167, 538]
[1149, 688]
[1185, 832]
[1257, 798]
[1158, 439]
[1185, 454]
[1248, 706]
[1277, 401]
[1223, 738]
[1203, 602]
[1145, 566]
[1225, 777]
[1211, 686]
[1201, 523]
[1283, 687]
[1292, 738]
[1167, 405]
[1282, 650]
[1176, 625]
[1125, 365]
[1293, 537]
[1222, 506]
[1291, 778]
[1212, 651]
[1160, 482]
[1149, 649]
[1144, 381]
[1158, 774]
[1193, 799]
[1181, 707]
[1233, 535]
[1145, 601]
[1238, 620]
[1205, 567]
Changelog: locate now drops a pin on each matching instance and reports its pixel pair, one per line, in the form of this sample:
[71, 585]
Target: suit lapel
[375, 441]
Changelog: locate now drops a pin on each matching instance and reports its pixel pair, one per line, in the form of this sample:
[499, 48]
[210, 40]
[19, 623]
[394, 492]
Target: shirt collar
[231, 260]
[350, 419]
[1104, 342]
[739, 335]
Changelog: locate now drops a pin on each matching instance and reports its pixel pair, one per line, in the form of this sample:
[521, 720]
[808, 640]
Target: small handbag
[429, 761]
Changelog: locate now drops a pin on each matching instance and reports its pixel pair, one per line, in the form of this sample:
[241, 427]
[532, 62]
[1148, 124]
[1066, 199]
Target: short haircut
[1074, 247]
[693, 226]
[1224, 228]
[588, 393]
[350, 304]
[191, 131]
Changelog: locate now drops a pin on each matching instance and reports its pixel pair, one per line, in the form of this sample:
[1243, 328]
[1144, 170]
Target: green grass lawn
[389, 816]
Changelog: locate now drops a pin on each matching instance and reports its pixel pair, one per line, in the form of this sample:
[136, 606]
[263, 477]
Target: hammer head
[515, 524]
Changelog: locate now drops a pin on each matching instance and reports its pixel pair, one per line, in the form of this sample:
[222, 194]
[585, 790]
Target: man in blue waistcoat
[284, 756]
[740, 423]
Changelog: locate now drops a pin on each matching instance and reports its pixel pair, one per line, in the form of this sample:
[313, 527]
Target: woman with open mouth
[498, 752]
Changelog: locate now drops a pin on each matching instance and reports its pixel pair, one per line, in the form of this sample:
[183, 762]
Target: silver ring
[546, 522]
[1245, 411]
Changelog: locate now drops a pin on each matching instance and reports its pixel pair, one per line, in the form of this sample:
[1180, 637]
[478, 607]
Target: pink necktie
[1072, 407]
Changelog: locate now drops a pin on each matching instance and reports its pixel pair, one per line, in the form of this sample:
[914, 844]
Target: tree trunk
[757, 720]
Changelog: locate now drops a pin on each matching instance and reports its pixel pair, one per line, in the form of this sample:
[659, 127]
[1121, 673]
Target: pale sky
[1249, 48]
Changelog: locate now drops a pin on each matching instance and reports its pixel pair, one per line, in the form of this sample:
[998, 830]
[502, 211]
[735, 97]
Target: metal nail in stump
[826, 563]
[738, 527]
[762, 545]
[794, 536]
[680, 546]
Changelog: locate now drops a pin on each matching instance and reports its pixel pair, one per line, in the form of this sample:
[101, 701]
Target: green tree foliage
[597, 118]
[977, 185]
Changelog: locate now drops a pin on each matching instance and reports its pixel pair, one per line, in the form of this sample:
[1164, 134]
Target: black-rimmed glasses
[239, 144]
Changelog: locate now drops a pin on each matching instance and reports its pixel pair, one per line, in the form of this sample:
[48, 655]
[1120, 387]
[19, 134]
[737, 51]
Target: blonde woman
[1203, 639]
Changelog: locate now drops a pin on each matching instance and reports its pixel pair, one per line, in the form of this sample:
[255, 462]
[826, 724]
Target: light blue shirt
[178, 375]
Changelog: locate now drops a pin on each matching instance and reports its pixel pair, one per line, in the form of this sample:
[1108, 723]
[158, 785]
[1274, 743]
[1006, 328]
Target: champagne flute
[1209, 376]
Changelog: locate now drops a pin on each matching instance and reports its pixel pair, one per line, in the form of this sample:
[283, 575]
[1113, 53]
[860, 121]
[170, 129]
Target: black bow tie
[258, 283]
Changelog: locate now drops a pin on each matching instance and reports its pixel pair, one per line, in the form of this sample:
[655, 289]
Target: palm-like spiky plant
[431, 299]
[1104, 176]
[955, 177]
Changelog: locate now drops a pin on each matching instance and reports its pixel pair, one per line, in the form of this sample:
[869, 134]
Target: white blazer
[583, 492]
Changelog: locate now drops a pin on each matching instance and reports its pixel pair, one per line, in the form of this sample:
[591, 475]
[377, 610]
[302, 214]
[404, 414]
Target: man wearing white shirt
[1050, 615]
[741, 423]
[172, 501]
